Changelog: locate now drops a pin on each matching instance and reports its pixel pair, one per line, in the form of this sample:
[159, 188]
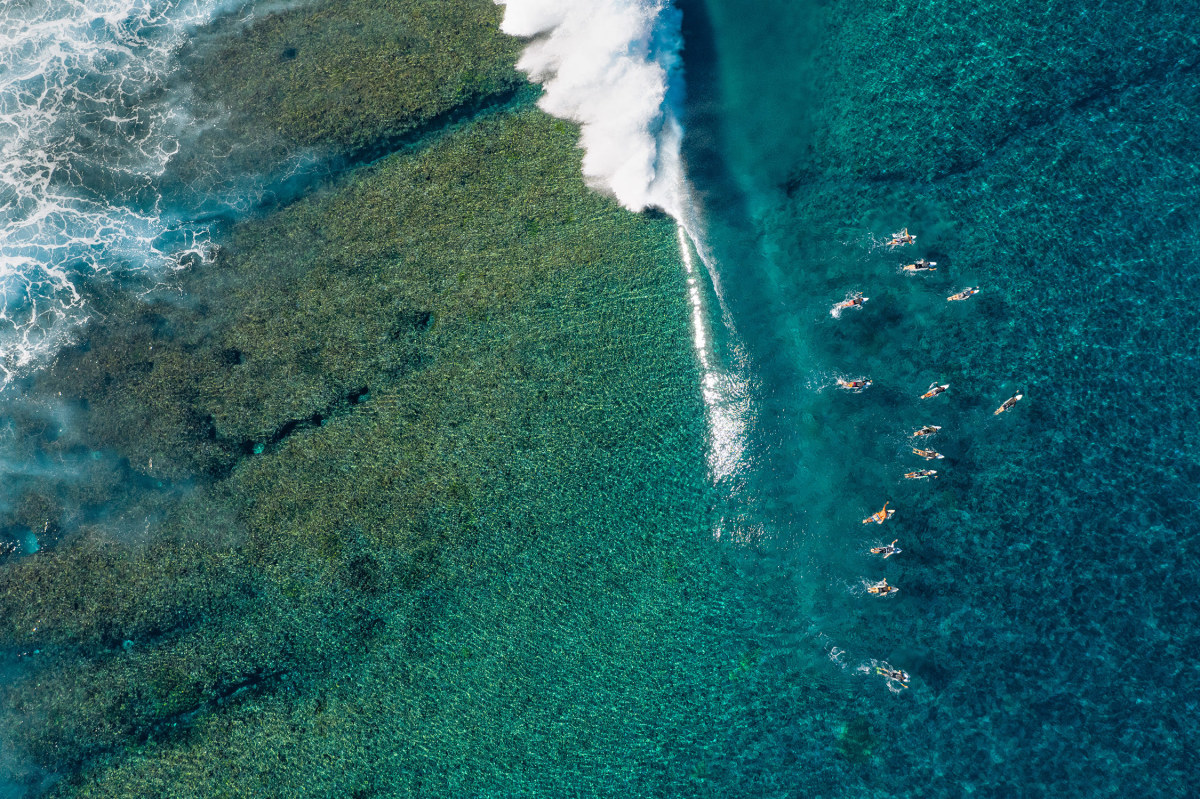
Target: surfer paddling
[887, 550]
[880, 516]
[921, 474]
[1008, 403]
[920, 266]
[928, 454]
[900, 239]
[881, 588]
[962, 295]
[934, 390]
[894, 677]
[861, 384]
[927, 430]
[855, 300]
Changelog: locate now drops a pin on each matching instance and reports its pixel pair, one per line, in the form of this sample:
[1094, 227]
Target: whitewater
[615, 68]
[88, 123]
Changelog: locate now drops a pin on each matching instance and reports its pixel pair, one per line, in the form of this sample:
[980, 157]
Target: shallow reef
[356, 74]
[403, 495]
[310, 90]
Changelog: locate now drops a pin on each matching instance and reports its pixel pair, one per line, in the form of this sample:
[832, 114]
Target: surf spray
[614, 67]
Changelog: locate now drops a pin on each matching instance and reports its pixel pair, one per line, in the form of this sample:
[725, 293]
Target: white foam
[85, 131]
[613, 66]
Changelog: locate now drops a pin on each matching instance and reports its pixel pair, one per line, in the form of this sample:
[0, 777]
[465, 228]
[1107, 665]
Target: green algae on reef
[472, 384]
[352, 75]
[379, 502]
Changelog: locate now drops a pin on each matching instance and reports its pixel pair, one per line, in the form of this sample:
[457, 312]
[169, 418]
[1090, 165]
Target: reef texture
[404, 495]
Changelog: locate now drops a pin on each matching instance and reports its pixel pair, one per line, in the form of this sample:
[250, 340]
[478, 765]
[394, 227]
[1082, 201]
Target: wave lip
[612, 66]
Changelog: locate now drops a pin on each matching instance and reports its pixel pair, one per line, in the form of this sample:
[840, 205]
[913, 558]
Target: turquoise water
[420, 507]
[1047, 156]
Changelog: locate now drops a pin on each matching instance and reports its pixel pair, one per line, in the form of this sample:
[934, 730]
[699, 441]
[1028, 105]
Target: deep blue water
[1049, 157]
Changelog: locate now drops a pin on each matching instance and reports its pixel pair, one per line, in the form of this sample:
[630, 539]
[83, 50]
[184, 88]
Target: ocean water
[639, 560]
[95, 122]
[110, 171]
[88, 125]
[1043, 155]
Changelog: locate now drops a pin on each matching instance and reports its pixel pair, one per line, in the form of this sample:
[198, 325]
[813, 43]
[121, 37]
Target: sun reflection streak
[726, 394]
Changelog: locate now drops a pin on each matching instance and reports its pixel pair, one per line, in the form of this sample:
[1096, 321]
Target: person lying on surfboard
[962, 295]
[881, 588]
[928, 454]
[921, 474]
[860, 384]
[934, 390]
[901, 238]
[927, 430]
[897, 676]
[887, 550]
[880, 516]
[1008, 403]
[920, 266]
[856, 301]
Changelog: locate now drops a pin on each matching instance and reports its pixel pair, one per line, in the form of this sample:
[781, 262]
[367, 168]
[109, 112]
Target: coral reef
[281, 101]
[359, 73]
[444, 431]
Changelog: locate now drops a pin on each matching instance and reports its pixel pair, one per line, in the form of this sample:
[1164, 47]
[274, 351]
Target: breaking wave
[614, 67]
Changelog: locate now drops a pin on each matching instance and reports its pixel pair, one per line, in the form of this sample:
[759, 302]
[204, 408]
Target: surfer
[856, 300]
[860, 384]
[927, 430]
[880, 516]
[921, 474]
[928, 454]
[881, 588]
[901, 238]
[887, 550]
[1008, 403]
[920, 266]
[934, 390]
[893, 675]
[962, 295]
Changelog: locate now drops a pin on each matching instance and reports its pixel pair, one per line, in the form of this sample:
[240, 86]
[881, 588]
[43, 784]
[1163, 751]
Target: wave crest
[613, 67]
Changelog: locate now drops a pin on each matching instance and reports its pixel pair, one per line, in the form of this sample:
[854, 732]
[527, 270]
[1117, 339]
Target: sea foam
[87, 127]
[614, 67]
